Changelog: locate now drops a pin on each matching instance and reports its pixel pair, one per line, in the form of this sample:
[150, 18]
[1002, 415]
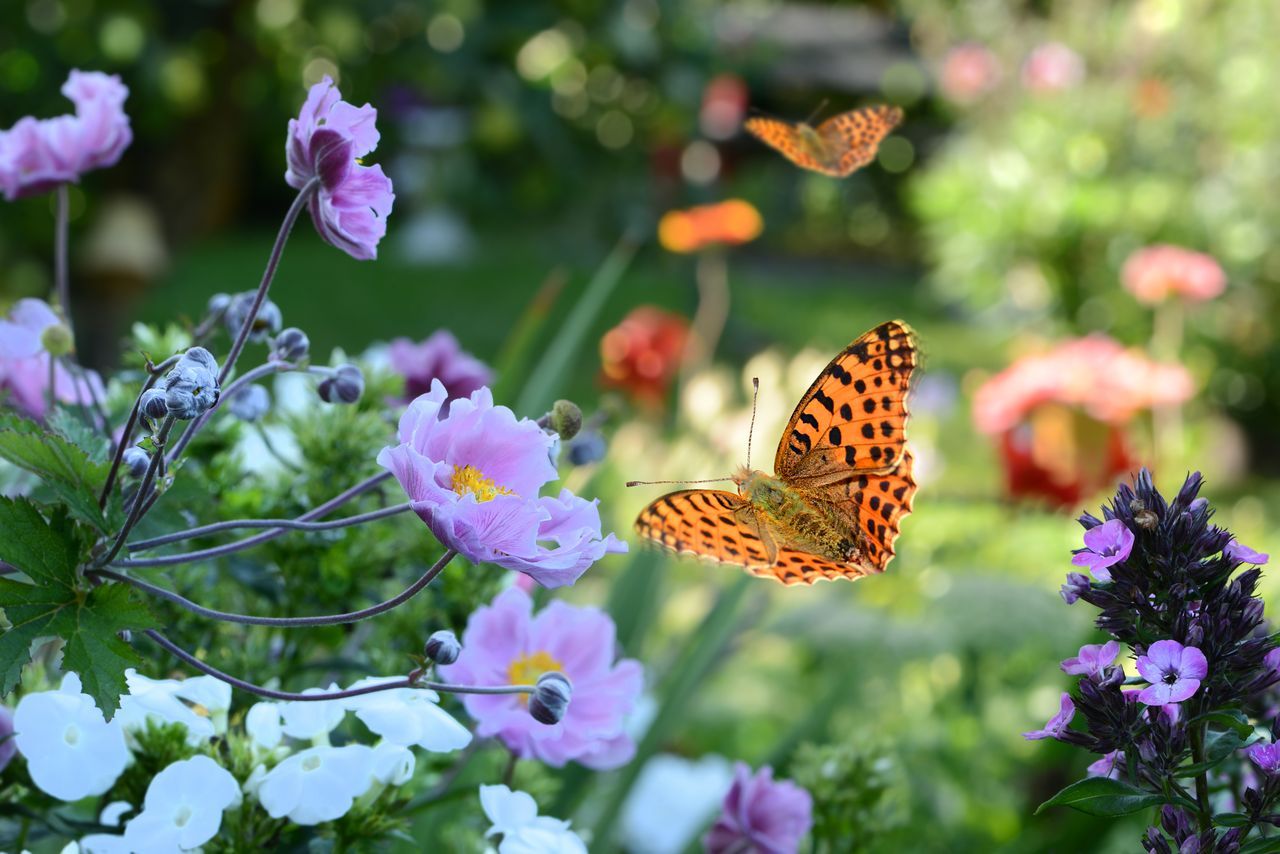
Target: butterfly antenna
[649, 482]
[755, 396]
[817, 111]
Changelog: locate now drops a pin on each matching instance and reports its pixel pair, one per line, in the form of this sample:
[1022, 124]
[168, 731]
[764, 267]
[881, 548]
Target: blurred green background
[525, 138]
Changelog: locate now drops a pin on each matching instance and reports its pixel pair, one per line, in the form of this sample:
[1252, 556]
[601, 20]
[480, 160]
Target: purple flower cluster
[474, 474]
[37, 155]
[326, 140]
[1168, 584]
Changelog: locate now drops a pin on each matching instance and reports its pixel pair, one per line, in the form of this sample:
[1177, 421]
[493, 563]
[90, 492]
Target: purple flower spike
[1108, 766]
[1057, 724]
[1266, 757]
[326, 141]
[761, 815]
[1091, 659]
[438, 358]
[1173, 670]
[37, 155]
[1244, 554]
[1105, 545]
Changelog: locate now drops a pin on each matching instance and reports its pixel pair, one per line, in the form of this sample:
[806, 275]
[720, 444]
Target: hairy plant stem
[154, 372]
[292, 524]
[61, 280]
[217, 551]
[1204, 814]
[272, 694]
[287, 622]
[144, 488]
[273, 261]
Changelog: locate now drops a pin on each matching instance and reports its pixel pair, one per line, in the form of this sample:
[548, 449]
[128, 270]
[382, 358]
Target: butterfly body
[838, 147]
[842, 483]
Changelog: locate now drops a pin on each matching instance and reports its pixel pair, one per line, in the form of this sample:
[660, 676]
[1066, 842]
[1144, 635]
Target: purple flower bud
[218, 303]
[1266, 757]
[550, 698]
[1147, 750]
[587, 448]
[266, 324]
[191, 388]
[344, 385]
[250, 404]
[1076, 586]
[136, 461]
[292, 345]
[152, 404]
[443, 647]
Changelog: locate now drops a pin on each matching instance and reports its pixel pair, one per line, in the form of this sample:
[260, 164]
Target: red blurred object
[724, 106]
[968, 72]
[1156, 272]
[1064, 466]
[641, 355]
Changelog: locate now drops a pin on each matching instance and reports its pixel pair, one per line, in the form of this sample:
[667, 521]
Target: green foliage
[1104, 796]
[65, 469]
[158, 746]
[58, 602]
[857, 794]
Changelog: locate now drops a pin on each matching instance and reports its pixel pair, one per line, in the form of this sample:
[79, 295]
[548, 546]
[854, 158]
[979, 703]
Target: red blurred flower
[1060, 416]
[641, 355]
[1153, 273]
[968, 71]
[1052, 67]
[724, 104]
[727, 223]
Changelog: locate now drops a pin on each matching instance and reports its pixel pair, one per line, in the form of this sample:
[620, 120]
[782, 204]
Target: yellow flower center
[468, 480]
[526, 669]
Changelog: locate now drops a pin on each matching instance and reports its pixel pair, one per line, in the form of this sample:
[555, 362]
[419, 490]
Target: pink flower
[504, 644]
[1096, 374]
[968, 72]
[1057, 724]
[24, 362]
[474, 476]
[37, 155]
[760, 815]
[1173, 670]
[1052, 67]
[439, 357]
[351, 207]
[1266, 757]
[1235, 550]
[1092, 659]
[1104, 546]
[1153, 273]
[1108, 766]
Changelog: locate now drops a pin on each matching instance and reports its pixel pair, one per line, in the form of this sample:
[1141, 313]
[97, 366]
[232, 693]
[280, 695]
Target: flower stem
[61, 281]
[292, 524]
[272, 694]
[144, 488]
[273, 261]
[287, 622]
[1203, 814]
[217, 551]
[153, 374]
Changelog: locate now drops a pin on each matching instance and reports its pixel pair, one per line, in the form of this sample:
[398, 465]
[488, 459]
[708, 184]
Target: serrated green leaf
[33, 611]
[71, 425]
[94, 649]
[32, 545]
[1103, 796]
[61, 466]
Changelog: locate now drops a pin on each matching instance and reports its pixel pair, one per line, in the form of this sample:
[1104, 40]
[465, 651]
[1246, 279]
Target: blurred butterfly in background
[842, 485]
[839, 146]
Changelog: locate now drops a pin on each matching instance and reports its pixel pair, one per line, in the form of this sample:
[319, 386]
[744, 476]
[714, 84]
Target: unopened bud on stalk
[218, 303]
[153, 405]
[550, 698]
[566, 419]
[443, 647]
[57, 340]
[345, 385]
[136, 461]
[292, 345]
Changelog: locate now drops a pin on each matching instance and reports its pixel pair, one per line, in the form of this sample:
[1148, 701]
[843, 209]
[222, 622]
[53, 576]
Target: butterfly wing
[709, 523]
[784, 138]
[874, 506]
[856, 135]
[853, 418]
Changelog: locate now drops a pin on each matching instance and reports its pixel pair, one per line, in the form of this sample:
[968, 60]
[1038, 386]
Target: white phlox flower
[408, 716]
[72, 751]
[514, 815]
[183, 806]
[317, 784]
[311, 719]
[156, 700]
[262, 724]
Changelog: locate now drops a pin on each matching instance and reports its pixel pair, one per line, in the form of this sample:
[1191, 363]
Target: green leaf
[29, 543]
[1230, 819]
[64, 468]
[33, 612]
[1104, 797]
[1218, 746]
[1262, 845]
[1233, 719]
[94, 649]
[71, 425]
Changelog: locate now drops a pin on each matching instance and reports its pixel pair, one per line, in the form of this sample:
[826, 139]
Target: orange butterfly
[843, 482]
[839, 146]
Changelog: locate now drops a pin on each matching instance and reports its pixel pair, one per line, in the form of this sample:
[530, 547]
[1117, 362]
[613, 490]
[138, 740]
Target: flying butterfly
[839, 146]
[843, 480]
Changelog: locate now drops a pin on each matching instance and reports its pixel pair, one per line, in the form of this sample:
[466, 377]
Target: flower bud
[136, 461]
[56, 340]
[292, 345]
[152, 404]
[191, 388]
[443, 647]
[588, 448]
[218, 303]
[566, 419]
[345, 385]
[265, 324]
[250, 404]
[550, 698]
[1077, 584]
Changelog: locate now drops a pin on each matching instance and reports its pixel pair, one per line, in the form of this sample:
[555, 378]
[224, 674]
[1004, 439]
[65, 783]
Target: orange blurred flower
[727, 223]
[1060, 416]
[1153, 273]
[641, 355]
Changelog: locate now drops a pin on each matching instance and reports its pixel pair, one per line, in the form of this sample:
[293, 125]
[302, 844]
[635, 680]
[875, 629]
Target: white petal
[308, 719]
[539, 840]
[71, 751]
[110, 815]
[262, 724]
[392, 764]
[507, 810]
